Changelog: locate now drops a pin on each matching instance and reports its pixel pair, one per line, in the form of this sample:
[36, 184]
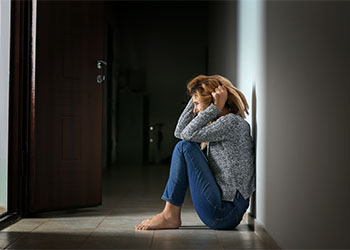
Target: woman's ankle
[171, 215]
[171, 211]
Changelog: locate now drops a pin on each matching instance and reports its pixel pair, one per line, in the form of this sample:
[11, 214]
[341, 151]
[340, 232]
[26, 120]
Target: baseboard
[8, 219]
[261, 232]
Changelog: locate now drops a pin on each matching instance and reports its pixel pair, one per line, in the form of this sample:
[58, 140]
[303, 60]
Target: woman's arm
[221, 129]
[185, 118]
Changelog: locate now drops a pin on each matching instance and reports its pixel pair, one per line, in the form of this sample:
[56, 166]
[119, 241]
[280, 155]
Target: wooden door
[65, 169]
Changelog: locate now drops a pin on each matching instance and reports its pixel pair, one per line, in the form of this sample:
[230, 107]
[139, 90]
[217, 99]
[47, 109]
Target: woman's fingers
[223, 88]
[220, 90]
[220, 96]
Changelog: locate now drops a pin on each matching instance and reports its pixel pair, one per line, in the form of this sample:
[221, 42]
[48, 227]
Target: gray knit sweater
[230, 148]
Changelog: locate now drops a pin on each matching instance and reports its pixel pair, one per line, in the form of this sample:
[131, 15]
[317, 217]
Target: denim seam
[189, 155]
[215, 206]
[175, 183]
[170, 201]
[238, 202]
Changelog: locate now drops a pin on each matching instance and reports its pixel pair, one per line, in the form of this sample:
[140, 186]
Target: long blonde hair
[202, 86]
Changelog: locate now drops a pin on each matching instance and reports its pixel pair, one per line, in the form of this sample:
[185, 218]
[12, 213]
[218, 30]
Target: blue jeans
[189, 167]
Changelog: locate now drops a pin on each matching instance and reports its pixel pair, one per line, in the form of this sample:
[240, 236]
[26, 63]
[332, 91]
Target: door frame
[21, 108]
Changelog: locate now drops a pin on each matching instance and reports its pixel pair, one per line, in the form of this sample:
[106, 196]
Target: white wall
[251, 81]
[302, 116]
[4, 96]
[235, 52]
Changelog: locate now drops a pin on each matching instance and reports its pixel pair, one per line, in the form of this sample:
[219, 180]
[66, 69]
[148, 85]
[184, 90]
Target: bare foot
[160, 221]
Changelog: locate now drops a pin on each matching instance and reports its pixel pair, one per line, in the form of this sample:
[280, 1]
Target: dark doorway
[154, 49]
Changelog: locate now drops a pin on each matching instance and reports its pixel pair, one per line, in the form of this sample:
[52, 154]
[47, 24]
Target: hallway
[130, 195]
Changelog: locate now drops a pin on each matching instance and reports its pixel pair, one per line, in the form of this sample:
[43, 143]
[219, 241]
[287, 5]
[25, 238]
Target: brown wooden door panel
[66, 170]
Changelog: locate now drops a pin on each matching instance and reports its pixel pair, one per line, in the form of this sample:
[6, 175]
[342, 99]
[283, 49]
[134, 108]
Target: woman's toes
[138, 226]
[145, 220]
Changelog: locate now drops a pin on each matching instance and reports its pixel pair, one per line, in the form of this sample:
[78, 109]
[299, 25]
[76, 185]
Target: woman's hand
[220, 96]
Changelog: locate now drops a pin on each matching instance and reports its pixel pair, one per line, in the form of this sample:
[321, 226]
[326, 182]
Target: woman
[222, 179]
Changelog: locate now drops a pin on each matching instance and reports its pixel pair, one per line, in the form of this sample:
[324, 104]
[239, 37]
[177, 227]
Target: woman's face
[198, 106]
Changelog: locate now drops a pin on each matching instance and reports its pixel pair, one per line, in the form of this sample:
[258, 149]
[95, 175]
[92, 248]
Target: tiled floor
[130, 195]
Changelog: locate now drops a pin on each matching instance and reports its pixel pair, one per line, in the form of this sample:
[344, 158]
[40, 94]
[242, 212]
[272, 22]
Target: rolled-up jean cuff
[170, 201]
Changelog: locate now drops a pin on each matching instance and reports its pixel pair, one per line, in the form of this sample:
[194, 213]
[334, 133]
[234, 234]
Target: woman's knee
[185, 145]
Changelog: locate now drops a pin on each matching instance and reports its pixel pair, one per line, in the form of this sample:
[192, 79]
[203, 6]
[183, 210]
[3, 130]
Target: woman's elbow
[183, 135]
[177, 134]
[186, 136]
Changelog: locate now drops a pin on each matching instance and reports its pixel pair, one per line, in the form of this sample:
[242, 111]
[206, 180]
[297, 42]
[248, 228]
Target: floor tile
[119, 239]
[72, 224]
[5, 235]
[25, 225]
[186, 244]
[126, 203]
[192, 234]
[5, 242]
[45, 244]
[234, 239]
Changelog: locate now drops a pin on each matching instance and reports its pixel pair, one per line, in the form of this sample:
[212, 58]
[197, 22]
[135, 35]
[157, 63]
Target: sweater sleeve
[221, 129]
[185, 117]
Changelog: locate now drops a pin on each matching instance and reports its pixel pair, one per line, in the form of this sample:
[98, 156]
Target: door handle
[102, 77]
